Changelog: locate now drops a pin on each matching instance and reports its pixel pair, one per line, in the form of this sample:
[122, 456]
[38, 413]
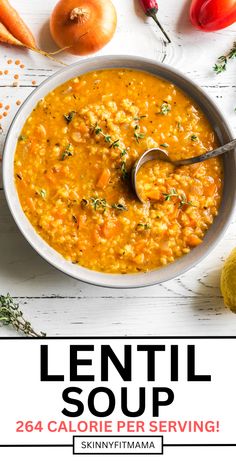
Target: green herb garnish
[42, 193]
[69, 117]
[22, 137]
[194, 137]
[123, 153]
[97, 130]
[119, 206]
[181, 197]
[138, 136]
[11, 315]
[124, 171]
[115, 144]
[165, 145]
[137, 118]
[172, 193]
[98, 203]
[165, 108]
[222, 61]
[144, 226]
[69, 151]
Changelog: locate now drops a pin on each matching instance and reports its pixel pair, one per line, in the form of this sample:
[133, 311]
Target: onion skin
[83, 26]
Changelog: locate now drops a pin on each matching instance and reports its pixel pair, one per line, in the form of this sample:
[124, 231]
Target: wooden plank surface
[59, 305]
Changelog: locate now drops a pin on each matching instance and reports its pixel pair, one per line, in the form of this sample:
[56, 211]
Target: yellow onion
[83, 26]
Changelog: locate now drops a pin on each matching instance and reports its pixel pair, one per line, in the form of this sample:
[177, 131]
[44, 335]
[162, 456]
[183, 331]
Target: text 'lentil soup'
[73, 161]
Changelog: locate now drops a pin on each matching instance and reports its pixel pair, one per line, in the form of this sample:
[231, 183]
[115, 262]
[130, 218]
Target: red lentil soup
[73, 161]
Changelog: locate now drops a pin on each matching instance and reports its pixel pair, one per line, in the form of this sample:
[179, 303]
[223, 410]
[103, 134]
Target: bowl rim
[51, 256]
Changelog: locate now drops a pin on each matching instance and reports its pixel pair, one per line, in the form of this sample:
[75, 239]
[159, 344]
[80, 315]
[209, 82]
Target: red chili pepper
[150, 8]
[212, 15]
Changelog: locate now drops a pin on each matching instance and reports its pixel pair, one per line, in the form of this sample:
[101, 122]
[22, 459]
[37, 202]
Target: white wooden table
[59, 305]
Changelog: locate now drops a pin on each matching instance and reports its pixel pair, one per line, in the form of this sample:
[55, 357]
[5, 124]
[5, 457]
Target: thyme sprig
[143, 226]
[69, 151]
[222, 61]
[124, 171]
[182, 199]
[137, 134]
[98, 130]
[98, 203]
[11, 315]
[113, 144]
[101, 203]
[69, 116]
[165, 108]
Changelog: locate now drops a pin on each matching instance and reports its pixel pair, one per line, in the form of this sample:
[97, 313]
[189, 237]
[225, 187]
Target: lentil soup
[73, 161]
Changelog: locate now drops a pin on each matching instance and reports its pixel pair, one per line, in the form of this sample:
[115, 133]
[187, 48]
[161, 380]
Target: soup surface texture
[72, 166]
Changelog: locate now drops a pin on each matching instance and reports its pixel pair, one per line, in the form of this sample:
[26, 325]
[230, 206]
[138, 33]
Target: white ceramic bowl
[170, 271]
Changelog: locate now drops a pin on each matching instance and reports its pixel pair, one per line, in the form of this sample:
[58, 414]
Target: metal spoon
[156, 154]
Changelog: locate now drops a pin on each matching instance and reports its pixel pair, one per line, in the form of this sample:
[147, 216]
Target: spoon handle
[208, 155]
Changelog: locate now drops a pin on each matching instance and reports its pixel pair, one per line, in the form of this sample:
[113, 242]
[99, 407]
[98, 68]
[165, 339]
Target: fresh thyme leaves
[101, 203]
[11, 315]
[123, 167]
[137, 118]
[165, 108]
[97, 130]
[194, 137]
[138, 136]
[143, 226]
[84, 202]
[182, 199]
[98, 203]
[124, 171]
[22, 138]
[69, 117]
[172, 193]
[165, 145]
[69, 151]
[119, 206]
[115, 144]
[123, 152]
[222, 61]
[42, 193]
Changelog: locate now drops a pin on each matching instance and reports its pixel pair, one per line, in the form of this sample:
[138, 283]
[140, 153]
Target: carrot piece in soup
[104, 178]
[109, 229]
[154, 194]
[210, 190]
[193, 240]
